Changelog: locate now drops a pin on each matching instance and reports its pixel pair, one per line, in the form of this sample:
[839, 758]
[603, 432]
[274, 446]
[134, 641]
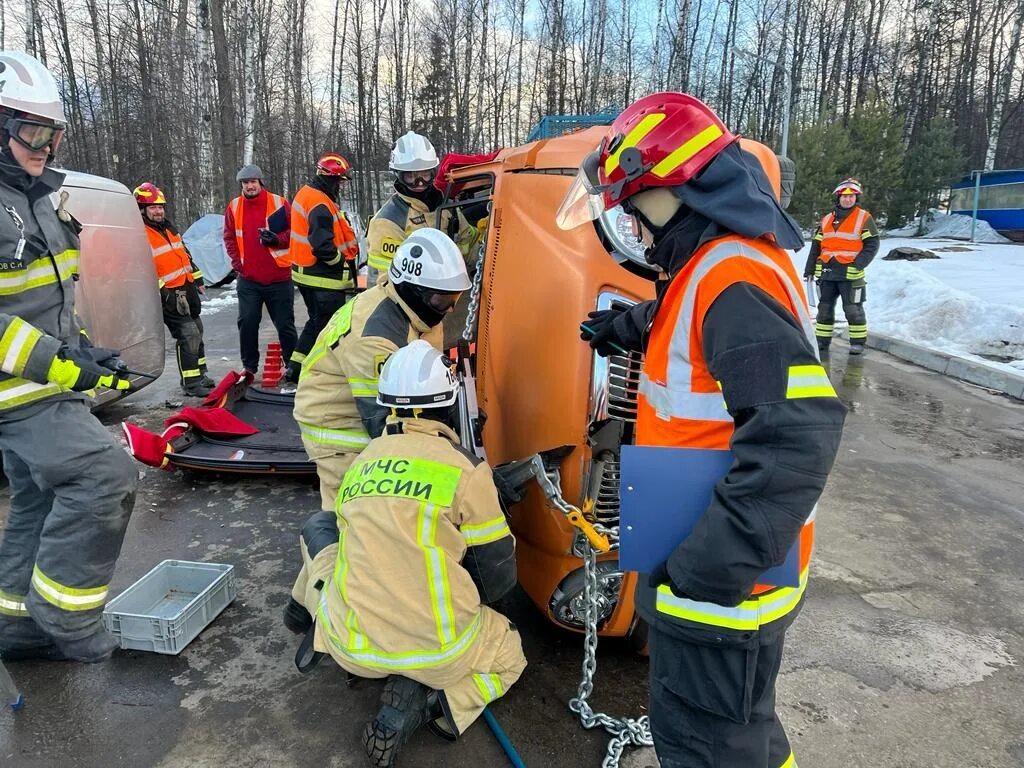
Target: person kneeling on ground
[400, 580]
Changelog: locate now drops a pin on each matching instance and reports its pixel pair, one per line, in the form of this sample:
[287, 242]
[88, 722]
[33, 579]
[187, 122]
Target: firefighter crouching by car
[336, 401]
[181, 284]
[72, 488]
[845, 243]
[400, 579]
[730, 364]
[323, 250]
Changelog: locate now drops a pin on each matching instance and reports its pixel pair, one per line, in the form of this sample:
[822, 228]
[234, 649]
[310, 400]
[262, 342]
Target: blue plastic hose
[503, 739]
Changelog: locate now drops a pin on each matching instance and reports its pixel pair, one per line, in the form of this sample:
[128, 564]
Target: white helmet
[417, 376]
[27, 86]
[413, 152]
[428, 258]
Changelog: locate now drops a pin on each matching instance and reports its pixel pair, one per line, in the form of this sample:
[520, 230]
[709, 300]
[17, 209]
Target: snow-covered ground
[969, 302]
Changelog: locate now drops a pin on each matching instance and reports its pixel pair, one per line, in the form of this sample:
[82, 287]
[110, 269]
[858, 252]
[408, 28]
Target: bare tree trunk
[226, 106]
[206, 106]
[1003, 90]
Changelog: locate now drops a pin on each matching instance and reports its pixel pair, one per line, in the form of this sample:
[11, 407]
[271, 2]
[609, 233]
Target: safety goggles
[34, 135]
[417, 178]
[443, 302]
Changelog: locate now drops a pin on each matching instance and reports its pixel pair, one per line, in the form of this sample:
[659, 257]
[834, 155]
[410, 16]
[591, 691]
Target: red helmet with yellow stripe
[148, 193]
[661, 140]
[848, 186]
[332, 164]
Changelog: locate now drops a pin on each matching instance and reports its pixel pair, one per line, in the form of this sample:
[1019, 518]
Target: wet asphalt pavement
[908, 652]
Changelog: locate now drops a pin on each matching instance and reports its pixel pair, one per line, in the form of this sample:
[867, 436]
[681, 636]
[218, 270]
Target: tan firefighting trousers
[473, 680]
[329, 470]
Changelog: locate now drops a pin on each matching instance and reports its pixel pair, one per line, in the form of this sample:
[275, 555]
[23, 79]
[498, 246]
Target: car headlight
[567, 603]
[620, 230]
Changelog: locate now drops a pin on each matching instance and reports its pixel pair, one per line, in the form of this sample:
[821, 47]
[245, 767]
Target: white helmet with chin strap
[428, 258]
[27, 86]
[417, 376]
[413, 152]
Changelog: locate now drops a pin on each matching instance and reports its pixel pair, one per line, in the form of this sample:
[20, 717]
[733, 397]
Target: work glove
[77, 370]
[660, 576]
[267, 237]
[616, 331]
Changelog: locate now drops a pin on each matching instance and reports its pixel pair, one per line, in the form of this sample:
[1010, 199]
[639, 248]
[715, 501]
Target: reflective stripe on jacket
[336, 398]
[174, 266]
[399, 217]
[844, 242]
[308, 270]
[408, 509]
[273, 202]
[680, 403]
[37, 290]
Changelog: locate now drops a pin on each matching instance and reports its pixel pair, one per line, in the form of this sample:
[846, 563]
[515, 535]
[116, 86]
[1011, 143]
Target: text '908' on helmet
[661, 140]
[148, 193]
[332, 164]
[417, 376]
[27, 86]
[428, 258]
[413, 152]
[848, 186]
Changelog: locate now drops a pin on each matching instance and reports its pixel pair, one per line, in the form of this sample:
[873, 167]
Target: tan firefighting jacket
[420, 527]
[398, 218]
[336, 400]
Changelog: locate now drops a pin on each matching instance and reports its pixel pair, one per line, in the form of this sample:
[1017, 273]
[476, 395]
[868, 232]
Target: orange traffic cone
[272, 370]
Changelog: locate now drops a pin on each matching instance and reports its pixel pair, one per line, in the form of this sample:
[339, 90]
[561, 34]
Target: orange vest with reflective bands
[280, 255]
[300, 252]
[680, 404]
[842, 244]
[173, 266]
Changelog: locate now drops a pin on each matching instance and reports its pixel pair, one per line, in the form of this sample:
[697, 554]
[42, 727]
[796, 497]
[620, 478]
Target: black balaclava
[329, 185]
[12, 172]
[731, 195]
[447, 415]
[431, 196]
[416, 296]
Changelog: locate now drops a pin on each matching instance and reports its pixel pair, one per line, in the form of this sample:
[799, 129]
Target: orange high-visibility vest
[300, 253]
[680, 404]
[842, 244]
[173, 266]
[280, 255]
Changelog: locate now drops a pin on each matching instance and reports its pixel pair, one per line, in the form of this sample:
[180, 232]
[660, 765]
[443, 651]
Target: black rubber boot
[90, 650]
[47, 652]
[856, 348]
[405, 706]
[823, 344]
[296, 618]
[196, 389]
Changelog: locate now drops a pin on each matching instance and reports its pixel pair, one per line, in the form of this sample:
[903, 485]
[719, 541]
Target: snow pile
[217, 299]
[951, 225]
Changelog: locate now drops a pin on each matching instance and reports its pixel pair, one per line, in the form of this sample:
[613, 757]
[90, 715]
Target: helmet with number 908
[429, 259]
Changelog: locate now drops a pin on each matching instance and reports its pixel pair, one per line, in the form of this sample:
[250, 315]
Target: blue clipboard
[663, 492]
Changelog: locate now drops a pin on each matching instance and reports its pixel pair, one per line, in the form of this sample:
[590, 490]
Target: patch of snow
[217, 299]
[955, 226]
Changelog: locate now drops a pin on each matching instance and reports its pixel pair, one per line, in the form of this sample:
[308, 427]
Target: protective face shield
[34, 134]
[585, 199]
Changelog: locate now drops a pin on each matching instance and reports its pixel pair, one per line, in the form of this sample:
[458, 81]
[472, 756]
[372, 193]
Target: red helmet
[148, 193]
[332, 164]
[661, 140]
[848, 186]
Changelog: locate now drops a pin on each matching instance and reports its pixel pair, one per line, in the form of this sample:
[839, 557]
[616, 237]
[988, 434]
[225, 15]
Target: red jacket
[259, 266]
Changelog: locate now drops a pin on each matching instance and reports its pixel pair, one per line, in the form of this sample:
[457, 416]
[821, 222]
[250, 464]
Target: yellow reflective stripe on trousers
[420, 479]
[482, 533]
[17, 344]
[417, 659]
[808, 381]
[312, 281]
[747, 616]
[18, 391]
[858, 331]
[379, 261]
[343, 438]
[852, 273]
[437, 573]
[790, 762]
[12, 605]
[356, 640]
[490, 687]
[65, 597]
[363, 387]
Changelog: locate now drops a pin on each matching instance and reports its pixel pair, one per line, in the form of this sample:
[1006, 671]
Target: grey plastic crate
[165, 609]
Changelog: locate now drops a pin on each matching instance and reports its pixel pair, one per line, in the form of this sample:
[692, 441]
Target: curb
[949, 365]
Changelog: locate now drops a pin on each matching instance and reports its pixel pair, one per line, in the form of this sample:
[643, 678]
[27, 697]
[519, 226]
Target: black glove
[600, 332]
[660, 576]
[106, 358]
[808, 274]
[267, 237]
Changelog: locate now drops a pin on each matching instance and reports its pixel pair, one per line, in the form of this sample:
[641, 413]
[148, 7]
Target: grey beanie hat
[249, 172]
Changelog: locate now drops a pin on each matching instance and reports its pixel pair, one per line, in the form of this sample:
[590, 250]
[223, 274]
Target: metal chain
[474, 297]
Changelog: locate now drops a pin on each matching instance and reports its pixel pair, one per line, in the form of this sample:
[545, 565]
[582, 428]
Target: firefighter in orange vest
[844, 245]
[181, 284]
[323, 252]
[260, 258]
[730, 365]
